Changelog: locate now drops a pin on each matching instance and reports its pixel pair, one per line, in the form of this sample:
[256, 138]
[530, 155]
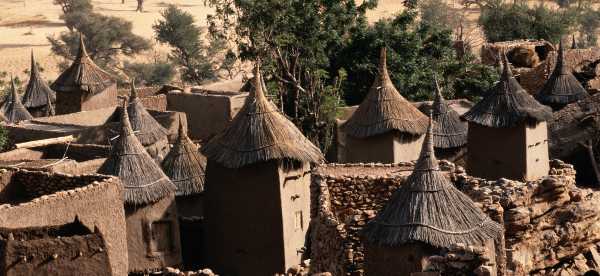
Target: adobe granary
[209, 112]
[385, 127]
[449, 131]
[508, 135]
[38, 200]
[38, 98]
[186, 166]
[149, 198]
[67, 249]
[257, 195]
[562, 87]
[147, 130]
[426, 215]
[84, 86]
[13, 109]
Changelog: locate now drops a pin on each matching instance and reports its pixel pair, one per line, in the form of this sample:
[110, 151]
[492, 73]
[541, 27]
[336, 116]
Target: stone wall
[548, 222]
[38, 199]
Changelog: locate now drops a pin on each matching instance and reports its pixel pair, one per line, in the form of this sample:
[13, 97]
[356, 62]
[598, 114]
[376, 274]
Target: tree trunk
[140, 6]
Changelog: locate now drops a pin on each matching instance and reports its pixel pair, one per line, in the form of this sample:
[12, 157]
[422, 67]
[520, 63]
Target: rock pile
[548, 222]
[461, 260]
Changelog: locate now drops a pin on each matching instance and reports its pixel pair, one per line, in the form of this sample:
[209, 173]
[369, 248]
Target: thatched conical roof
[507, 104]
[14, 111]
[143, 179]
[146, 128]
[83, 75]
[185, 165]
[449, 131]
[37, 93]
[49, 108]
[259, 133]
[428, 208]
[562, 87]
[384, 110]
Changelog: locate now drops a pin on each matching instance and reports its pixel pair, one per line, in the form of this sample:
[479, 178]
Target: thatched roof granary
[259, 133]
[37, 94]
[146, 128]
[143, 179]
[185, 166]
[562, 87]
[427, 208]
[83, 75]
[507, 104]
[449, 131]
[385, 110]
[14, 111]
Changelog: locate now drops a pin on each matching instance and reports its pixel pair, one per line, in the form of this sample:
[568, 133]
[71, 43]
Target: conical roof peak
[385, 110]
[37, 93]
[133, 91]
[13, 109]
[82, 52]
[147, 129]
[260, 133]
[427, 160]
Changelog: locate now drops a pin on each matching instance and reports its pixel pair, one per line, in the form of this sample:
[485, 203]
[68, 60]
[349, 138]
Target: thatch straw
[49, 108]
[259, 133]
[37, 93]
[14, 111]
[428, 208]
[185, 165]
[562, 87]
[449, 131]
[507, 104]
[146, 128]
[83, 75]
[143, 179]
[385, 110]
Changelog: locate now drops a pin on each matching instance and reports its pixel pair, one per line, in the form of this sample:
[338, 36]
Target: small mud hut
[449, 131]
[425, 216]
[385, 127]
[562, 87]
[14, 111]
[84, 86]
[150, 210]
[38, 98]
[186, 166]
[68, 249]
[260, 162]
[508, 134]
[152, 135]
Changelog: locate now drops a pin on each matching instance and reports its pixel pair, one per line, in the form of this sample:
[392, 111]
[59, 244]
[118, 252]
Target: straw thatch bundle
[562, 87]
[258, 133]
[146, 128]
[143, 179]
[385, 110]
[449, 131]
[14, 111]
[49, 108]
[83, 75]
[185, 165]
[37, 94]
[507, 104]
[428, 208]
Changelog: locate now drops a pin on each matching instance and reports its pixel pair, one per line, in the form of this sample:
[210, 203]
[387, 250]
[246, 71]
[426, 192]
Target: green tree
[177, 28]
[294, 41]
[106, 37]
[150, 74]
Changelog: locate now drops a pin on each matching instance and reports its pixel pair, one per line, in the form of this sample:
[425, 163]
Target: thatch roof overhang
[449, 131]
[185, 165]
[37, 93]
[259, 133]
[385, 110]
[142, 177]
[83, 75]
[146, 128]
[562, 87]
[14, 111]
[428, 208]
[507, 104]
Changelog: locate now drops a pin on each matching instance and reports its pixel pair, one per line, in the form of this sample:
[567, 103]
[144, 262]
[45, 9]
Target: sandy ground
[26, 24]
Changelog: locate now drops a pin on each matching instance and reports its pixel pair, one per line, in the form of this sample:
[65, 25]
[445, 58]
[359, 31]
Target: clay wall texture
[519, 152]
[37, 199]
[246, 230]
[411, 258]
[153, 240]
[385, 148]
[71, 102]
[208, 112]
